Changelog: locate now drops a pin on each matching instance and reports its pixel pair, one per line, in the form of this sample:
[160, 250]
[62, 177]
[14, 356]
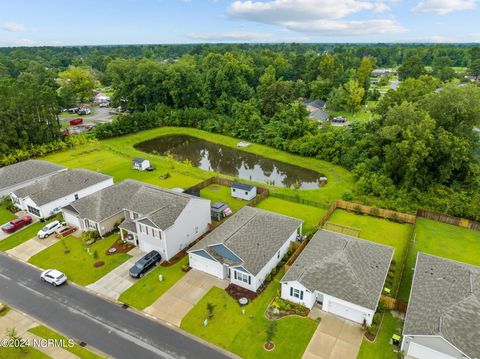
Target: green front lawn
[244, 334]
[381, 231]
[15, 353]
[381, 348]
[5, 214]
[218, 193]
[311, 215]
[23, 235]
[148, 289]
[78, 264]
[46, 333]
[443, 240]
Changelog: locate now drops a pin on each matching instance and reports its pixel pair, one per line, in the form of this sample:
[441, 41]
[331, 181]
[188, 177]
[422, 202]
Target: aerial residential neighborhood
[240, 179]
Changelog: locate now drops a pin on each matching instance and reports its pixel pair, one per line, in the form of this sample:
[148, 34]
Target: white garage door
[421, 352]
[206, 265]
[346, 312]
[71, 219]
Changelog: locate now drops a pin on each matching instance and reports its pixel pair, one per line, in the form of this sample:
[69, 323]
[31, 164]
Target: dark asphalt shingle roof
[107, 202]
[26, 171]
[319, 115]
[254, 235]
[242, 186]
[344, 267]
[59, 185]
[138, 160]
[445, 301]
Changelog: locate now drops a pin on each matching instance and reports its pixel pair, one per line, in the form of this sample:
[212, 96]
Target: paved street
[99, 323]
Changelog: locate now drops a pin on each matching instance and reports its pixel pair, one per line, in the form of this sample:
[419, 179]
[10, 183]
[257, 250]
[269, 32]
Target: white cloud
[18, 42]
[230, 36]
[442, 7]
[15, 27]
[324, 17]
[474, 37]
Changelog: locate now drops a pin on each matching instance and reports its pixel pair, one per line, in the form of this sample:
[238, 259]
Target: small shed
[140, 164]
[243, 191]
[220, 210]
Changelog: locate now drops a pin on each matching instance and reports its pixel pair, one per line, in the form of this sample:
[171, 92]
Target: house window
[33, 211]
[140, 227]
[15, 200]
[91, 225]
[196, 230]
[296, 293]
[76, 196]
[243, 277]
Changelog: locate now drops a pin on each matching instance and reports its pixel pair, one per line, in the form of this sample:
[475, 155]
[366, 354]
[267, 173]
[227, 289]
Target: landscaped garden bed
[280, 308]
[237, 292]
[119, 246]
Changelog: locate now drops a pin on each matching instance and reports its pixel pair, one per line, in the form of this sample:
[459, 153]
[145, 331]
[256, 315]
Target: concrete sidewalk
[118, 280]
[31, 247]
[335, 338]
[182, 297]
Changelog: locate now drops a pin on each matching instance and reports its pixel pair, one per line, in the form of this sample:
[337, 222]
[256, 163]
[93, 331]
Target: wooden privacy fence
[298, 247]
[393, 304]
[376, 212]
[457, 221]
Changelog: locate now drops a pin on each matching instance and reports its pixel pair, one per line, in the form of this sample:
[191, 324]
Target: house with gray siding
[246, 247]
[344, 275]
[443, 314]
[25, 173]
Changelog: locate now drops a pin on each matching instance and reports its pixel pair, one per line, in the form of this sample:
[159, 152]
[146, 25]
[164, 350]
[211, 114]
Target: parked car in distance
[49, 229]
[150, 169]
[64, 231]
[76, 121]
[54, 277]
[16, 224]
[145, 263]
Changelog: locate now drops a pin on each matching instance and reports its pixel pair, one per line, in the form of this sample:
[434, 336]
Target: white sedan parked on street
[53, 277]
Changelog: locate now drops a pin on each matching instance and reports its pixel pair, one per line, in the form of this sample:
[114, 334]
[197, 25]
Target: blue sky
[70, 22]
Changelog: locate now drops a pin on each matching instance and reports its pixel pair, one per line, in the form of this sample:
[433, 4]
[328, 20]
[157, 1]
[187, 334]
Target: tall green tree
[80, 81]
[411, 67]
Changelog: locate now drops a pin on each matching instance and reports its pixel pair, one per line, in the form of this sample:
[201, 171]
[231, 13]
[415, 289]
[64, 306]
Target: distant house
[102, 210]
[316, 109]
[382, 72]
[101, 99]
[140, 164]
[25, 173]
[443, 314]
[48, 196]
[243, 191]
[343, 274]
[163, 220]
[319, 115]
[246, 247]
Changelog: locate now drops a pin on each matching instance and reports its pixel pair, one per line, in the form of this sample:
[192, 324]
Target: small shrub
[274, 271]
[381, 307]
[268, 278]
[347, 196]
[210, 310]
[372, 329]
[376, 318]
[95, 254]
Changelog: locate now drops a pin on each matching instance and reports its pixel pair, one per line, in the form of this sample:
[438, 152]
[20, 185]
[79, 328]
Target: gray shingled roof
[243, 186]
[158, 206]
[253, 234]
[445, 301]
[105, 203]
[26, 171]
[344, 267]
[319, 115]
[59, 185]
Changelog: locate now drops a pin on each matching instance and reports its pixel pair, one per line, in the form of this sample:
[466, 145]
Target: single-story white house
[163, 220]
[343, 274]
[246, 247]
[46, 197]
[140, 164]
[243, 191]
[443, 314]
[25, 173]
[103, 210]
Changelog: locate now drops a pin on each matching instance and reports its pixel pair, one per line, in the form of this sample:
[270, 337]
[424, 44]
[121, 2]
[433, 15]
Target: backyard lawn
[381, 348]
[443, 240]
[46, 333]
[244, 334]
[148, 289]
[78, 265]
[216, 193]
[311, 215]
[22, 235]
[380, 231]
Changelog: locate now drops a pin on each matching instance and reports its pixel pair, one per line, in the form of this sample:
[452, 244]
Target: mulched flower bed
[269, 346]
[175, 259]
[119, 247]
[237, 292]
[99, 264]
[279, 308]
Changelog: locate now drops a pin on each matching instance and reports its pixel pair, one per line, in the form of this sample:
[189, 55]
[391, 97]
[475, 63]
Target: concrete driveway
[335, 338]
[118, 280]
[182, 297]
[31, 247]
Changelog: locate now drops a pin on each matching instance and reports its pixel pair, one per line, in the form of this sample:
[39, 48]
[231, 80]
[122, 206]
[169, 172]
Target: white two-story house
[163, 220]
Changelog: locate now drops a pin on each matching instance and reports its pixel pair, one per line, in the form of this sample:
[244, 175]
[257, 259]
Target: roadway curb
[133, 310]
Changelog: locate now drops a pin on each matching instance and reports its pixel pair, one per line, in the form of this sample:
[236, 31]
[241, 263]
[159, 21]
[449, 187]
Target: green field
[216, 193]
[381, 347]
[380, 231]
[78, 264]
[311, 215]
[148, 289]
[113, 157]
[46, 333]
[244, 334]
[443, 240]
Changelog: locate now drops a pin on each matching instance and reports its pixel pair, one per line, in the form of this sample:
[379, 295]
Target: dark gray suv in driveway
[145, 263]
